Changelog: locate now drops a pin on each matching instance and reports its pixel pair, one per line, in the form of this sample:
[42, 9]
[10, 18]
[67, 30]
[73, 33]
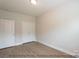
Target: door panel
[7, 34]
[28, 32]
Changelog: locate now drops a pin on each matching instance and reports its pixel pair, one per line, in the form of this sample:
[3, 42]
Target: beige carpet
[32, 49]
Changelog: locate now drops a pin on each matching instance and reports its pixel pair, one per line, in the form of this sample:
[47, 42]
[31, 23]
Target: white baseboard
[18, 44]
[60, 49]
[11, 45]
[15, 44]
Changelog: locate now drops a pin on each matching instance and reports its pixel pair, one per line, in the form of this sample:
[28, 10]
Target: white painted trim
[18, 44]
[7, 46]
[15, 44]
[23, 42]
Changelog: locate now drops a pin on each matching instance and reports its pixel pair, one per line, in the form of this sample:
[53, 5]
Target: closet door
[7, 34]
[28, 32]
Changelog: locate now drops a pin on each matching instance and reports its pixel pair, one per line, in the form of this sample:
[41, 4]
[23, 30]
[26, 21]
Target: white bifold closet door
[7, 33]
[28, 32]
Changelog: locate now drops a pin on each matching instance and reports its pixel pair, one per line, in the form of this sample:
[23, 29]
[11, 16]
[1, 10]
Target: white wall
[59, 28]
[19, 19]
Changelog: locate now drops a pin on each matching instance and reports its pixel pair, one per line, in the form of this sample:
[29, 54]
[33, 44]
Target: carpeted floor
[32, 50]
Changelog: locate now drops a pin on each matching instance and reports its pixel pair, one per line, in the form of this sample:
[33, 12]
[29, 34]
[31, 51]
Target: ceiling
[24, 6]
